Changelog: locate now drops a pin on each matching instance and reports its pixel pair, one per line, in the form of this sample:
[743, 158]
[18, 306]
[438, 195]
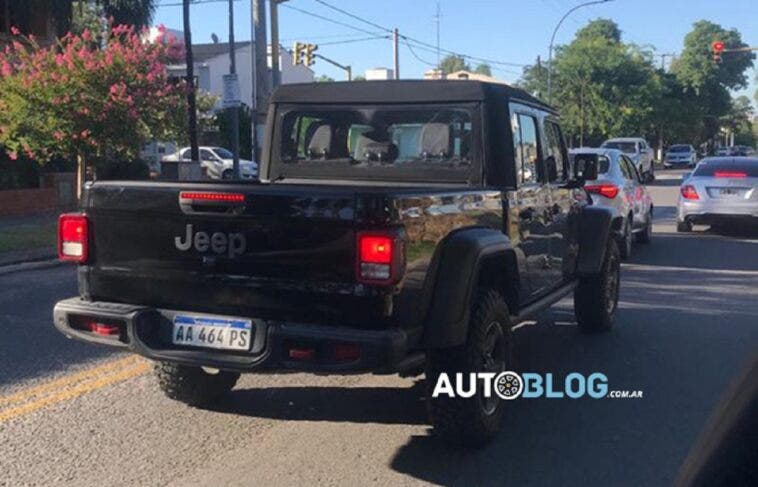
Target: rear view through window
[734, 169]
[367, 140]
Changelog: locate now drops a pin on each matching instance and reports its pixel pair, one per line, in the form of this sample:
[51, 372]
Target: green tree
[453, 63]
[709, 83]
[324, 79]
[78, 101]
[602, 86]
[484, 69]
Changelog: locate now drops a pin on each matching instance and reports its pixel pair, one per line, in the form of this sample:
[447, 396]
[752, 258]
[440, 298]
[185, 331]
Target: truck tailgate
[182, 246]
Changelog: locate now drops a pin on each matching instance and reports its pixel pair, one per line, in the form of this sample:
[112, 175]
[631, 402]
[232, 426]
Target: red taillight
[607, 190]
[73, 231]
[97, 325]
[346, 352]
[730, 174]
[379, 258]
[375, 249]
[224, 197]
[689, 192]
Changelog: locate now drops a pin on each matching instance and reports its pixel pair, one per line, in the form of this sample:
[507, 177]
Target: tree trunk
[191, 102]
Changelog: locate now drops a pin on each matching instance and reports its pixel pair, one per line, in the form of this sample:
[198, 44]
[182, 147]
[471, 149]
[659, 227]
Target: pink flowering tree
[88, 100]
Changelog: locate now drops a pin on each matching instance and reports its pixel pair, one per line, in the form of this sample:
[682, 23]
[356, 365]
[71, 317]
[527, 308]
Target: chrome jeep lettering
[231, 244]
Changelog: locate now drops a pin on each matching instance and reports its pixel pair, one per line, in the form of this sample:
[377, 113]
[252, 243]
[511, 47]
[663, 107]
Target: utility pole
[663, 59]
[396, 53]
[233, 111]
[276, 74]
[191, 101]
[260, 77]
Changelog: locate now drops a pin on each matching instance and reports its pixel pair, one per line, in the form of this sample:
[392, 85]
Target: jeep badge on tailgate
[232, 244]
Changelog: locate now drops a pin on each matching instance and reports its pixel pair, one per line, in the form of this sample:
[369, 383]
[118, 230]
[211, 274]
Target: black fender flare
[458, 267]
[596, 226]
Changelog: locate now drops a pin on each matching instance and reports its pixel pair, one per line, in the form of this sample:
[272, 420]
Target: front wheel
[193, 385]
[476, 420]
[596, 297]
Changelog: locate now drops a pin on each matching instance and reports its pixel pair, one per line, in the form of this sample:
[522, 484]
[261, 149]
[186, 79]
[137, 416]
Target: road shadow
[383, 405]
[699, 250]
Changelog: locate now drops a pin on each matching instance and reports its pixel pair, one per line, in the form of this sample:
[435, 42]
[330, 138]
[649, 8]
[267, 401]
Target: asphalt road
[75, 414]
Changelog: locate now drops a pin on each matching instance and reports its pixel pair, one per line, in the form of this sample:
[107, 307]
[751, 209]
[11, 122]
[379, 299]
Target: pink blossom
[86, 35]
[84, 134]
[15, 31]
[13, 155]
[58, 135]
[6, 70]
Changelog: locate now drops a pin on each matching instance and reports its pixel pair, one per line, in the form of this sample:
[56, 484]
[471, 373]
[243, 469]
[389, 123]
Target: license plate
[212, 332]
[729, 191]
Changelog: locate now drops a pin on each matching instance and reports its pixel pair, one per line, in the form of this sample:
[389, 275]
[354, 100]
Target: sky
[507, 31]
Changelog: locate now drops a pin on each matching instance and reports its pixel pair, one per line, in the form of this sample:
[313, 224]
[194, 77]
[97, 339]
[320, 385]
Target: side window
[555, 153]
[206, 155]
[525, 148]
[186, 154]
[630, 172]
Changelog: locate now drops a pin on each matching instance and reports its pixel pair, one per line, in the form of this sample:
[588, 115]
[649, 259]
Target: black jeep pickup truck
[397, 227]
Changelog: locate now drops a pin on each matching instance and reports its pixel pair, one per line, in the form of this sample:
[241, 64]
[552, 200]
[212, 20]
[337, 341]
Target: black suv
[398, 227]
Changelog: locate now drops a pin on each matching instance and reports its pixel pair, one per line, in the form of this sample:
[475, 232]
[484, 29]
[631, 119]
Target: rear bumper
[708, 212]
[147, 331]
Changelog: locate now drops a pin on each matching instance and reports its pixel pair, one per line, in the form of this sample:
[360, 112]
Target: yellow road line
[76, 391]
[92, 372]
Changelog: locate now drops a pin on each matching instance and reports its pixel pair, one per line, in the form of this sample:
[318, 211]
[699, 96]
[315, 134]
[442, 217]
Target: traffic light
[718, 48]
[303, 53]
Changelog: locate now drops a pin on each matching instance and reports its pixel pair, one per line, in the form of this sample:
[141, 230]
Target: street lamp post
[552, 39]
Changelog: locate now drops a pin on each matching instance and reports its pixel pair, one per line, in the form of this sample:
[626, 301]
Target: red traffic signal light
[717, 46]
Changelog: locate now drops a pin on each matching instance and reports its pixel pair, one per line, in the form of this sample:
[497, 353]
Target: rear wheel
[476, 420]
[596, 297]
[193, 385]
[683, 226]
[625, 244]
[227, 174]
[646, 235]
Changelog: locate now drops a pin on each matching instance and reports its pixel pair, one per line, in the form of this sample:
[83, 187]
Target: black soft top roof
[400, 91]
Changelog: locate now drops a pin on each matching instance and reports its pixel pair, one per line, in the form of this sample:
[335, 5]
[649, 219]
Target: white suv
[638, 150]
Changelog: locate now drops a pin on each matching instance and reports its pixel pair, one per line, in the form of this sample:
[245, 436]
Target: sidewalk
[28, 238]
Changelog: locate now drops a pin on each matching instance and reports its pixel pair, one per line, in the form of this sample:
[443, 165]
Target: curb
[30, 266]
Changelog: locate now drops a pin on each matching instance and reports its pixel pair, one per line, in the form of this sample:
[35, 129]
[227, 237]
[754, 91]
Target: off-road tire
[683, 227]
[227, 174]
[596, 296]
[472, 422]
[646, 235]
[193, 385]
[625, 242]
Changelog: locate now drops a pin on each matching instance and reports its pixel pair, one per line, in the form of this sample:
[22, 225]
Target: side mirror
[585, 167]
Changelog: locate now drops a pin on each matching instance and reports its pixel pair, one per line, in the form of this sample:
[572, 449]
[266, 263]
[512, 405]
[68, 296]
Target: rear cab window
[384, 142]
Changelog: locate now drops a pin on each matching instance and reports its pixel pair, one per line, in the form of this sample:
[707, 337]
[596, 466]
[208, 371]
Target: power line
[418, 42]
[327, 19]
[349, 41]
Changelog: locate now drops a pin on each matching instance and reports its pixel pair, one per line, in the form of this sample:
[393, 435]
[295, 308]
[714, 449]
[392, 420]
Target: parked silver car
[638, 151]
[619, 185]
[217, 162]
[680, 155]
[720, 190]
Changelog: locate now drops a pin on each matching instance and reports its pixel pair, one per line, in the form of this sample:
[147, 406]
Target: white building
[379, 74]
[212, 63]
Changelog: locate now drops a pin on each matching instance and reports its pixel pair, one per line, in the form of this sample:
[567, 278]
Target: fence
[56, 191]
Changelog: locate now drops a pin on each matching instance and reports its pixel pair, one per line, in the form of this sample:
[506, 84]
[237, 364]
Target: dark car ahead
[398, 226]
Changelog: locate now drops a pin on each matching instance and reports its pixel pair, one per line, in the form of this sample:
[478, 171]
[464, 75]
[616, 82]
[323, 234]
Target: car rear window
[625, 147]
[748, 168]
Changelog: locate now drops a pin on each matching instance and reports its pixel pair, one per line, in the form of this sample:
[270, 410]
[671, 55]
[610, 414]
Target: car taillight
[380, 258]
[730, 174]
[73, 232]
[607, 190]
[689, 192]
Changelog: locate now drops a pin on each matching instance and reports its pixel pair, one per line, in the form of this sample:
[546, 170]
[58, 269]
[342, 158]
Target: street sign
[231, 91]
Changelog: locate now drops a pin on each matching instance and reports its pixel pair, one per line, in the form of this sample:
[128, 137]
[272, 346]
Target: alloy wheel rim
[493, 361]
